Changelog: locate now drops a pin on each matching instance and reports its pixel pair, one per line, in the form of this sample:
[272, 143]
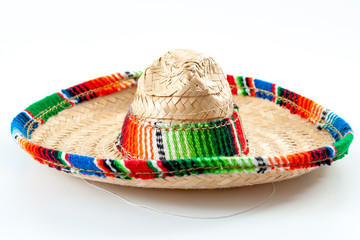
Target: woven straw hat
[181, 123]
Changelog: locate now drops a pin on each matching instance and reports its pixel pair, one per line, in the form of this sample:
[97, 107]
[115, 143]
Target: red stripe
[274, 92]
[235, 137]
[139, 166]
[241, 135]
[251, 85]
[231, 80]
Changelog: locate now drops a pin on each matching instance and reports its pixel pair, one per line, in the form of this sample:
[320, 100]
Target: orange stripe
[283, 159]
[251, 85]
[291, 160]
[151, 143]
[270, 160]
[140, 141]
[277, 160]
[145, 142]
[121, 76]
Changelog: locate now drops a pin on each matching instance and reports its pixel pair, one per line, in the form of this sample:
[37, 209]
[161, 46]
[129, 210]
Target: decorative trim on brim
[26, 122]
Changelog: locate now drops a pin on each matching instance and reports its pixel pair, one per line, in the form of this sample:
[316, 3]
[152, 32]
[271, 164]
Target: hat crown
[182, 109]
[183, 86]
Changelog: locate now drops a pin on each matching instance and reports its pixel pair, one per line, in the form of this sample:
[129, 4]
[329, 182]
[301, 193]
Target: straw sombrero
[181, 124]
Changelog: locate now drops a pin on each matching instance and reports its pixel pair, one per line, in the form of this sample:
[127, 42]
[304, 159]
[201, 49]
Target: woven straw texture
[90, 129]
[183, 86]
[75, 130]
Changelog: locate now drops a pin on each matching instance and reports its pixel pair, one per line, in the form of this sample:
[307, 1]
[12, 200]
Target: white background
[308, 46]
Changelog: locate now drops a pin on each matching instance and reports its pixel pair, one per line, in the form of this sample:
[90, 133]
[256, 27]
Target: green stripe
[119, 167]
[223, 137]
[200, 138]
[250, 166]
[168, 143]
[214, 140]
[62, 161]
[182, 142]
[278, 93]
[150, 165]
[342, 146]
[236, 164]
[195, 140]
[219, 141]
[226, 162]
[45, 108]
[240, 80]
[219, 162]
[191, 144]
[156, 171]
[176, 146]
[207, 135]
[230, 136]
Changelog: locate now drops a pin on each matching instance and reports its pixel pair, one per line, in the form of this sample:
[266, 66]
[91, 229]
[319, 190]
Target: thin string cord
[183, 215]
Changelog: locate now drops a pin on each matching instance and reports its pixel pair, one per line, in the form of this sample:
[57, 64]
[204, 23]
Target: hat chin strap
[142, 139]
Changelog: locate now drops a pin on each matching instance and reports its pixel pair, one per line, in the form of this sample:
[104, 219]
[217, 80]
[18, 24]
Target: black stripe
[222, 138]
[230, 138]
[262, 165]
[159, 143]
[105, 164]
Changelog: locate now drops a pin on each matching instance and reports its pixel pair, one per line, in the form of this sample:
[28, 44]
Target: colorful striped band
[39, 112]
[149, 140]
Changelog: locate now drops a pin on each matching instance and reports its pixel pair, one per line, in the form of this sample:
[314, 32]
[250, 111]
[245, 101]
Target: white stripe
[332, 117]
[179, 145]
[252, 161]
[28, 114]
[333, 150]
[154, 163]
[137, 138]
[279, 165]
[64, 159]
[187, 146]
[109, 164]
[148, 129]
[288, 162]
[67, 98]
[172, 148]
[123, 165]
[275, 91]
[246, 86]
[238, 160]
[155, 149]
[238, 86]
[117, 76]
[165, 144]
[319, 123]
[144, 141]
[266, 160]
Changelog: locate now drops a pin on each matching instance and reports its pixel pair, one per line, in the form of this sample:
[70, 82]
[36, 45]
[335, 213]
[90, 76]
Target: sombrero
[181, 123]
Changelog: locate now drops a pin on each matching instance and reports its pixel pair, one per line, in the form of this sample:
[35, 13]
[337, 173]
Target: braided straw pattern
[183, 86]
[91, 128]
[75, 130]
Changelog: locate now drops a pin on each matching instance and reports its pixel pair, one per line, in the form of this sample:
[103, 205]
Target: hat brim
[75, 130]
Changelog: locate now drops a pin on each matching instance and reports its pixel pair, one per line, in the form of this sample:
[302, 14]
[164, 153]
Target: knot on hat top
[183, 86]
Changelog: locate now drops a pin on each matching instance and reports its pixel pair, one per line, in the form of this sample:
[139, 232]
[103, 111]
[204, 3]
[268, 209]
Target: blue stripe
[263, 85]
[19, 122]
[85, 162]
